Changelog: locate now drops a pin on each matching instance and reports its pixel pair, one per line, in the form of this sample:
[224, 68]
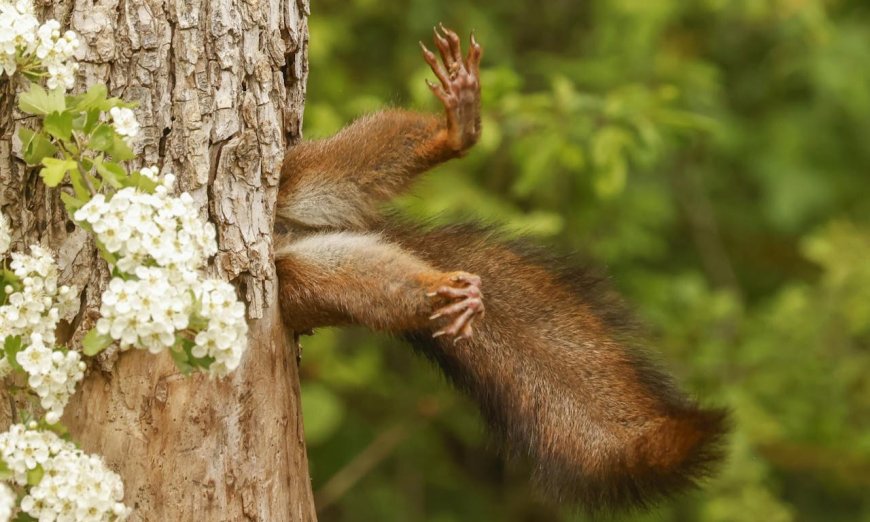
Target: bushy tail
[559, 381]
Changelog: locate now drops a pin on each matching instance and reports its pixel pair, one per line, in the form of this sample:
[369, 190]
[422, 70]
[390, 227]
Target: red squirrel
[555, 373]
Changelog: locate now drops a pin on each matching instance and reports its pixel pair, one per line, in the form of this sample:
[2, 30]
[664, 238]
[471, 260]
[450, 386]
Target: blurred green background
[714, 155]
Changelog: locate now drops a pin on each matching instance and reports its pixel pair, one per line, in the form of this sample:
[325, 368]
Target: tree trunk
[220, 87]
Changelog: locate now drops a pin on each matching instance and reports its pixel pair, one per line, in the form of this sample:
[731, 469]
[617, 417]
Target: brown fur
[316, 190]
[560, 382]
[552, 364]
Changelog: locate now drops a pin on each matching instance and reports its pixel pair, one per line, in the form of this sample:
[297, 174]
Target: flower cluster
[124, 121]
[18, 28]
[52, 374]
[55, 52]
[32, 314]
[5, 235]
[24, 42]
[224, 336]
[140, 228]
[147, 311]
[38, 306]
[74, 485]
[161, 244]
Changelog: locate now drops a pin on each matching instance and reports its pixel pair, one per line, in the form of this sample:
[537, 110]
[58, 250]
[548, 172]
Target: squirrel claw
[458, 86]
[466, 305]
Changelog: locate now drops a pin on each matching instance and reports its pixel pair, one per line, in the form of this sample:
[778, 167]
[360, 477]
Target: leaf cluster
[75, 128]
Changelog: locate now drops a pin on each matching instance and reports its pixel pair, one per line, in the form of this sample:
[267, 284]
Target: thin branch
[705, 229]
[360, 466]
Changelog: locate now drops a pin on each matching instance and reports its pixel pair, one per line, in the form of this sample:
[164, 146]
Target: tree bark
[220, 86]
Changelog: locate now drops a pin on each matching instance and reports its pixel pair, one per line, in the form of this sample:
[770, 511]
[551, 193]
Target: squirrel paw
[460, 86]
[467, 306]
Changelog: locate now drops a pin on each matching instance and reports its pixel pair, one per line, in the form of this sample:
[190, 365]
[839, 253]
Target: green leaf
[143, 183]
[81, 190]
[106, 255]
[39, 102]
[119, 150]
[59, 124]
[102, 138]
[26, 136]
[93, 99]
[92, 119]
[5, 472]
[180, 356]
[55, 169]
[112, 173]
[609, 155]
[71, 203]
[9, 278]
[95, 342]
[35, 146]
[11, 346]
[610, 179]
[35, 475]
[24, 517]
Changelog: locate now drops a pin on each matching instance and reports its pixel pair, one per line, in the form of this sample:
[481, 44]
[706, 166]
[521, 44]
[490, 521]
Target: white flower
[161, 245]
[145, 312]
[150, 172]
[224, 338]
[150, 311]
[93, 210]
[23, 449]
[5, 236]
[24, 41]
[124, 121]
[36, 358]
[55, 52]
[138, 227]
[74, 486]
[8, 502]
[17, 34]
[41, 303]
[52, 374]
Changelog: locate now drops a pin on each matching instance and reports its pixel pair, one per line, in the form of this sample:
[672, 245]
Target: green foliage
[55, 170]
[72, 125]
[35, 146]
[713, 155]
[11, 347]
[35, 475]
[39, 102]
[94, 343]
[185, 360]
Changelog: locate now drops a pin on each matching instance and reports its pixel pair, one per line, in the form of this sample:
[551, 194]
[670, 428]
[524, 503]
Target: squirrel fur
[540, 347]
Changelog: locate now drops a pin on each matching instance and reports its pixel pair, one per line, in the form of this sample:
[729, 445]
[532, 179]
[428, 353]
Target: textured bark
[220, 86]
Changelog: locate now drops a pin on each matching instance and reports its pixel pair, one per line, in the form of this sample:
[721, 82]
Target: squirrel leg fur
[555, 374]
[339, 182]
[339, 278]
